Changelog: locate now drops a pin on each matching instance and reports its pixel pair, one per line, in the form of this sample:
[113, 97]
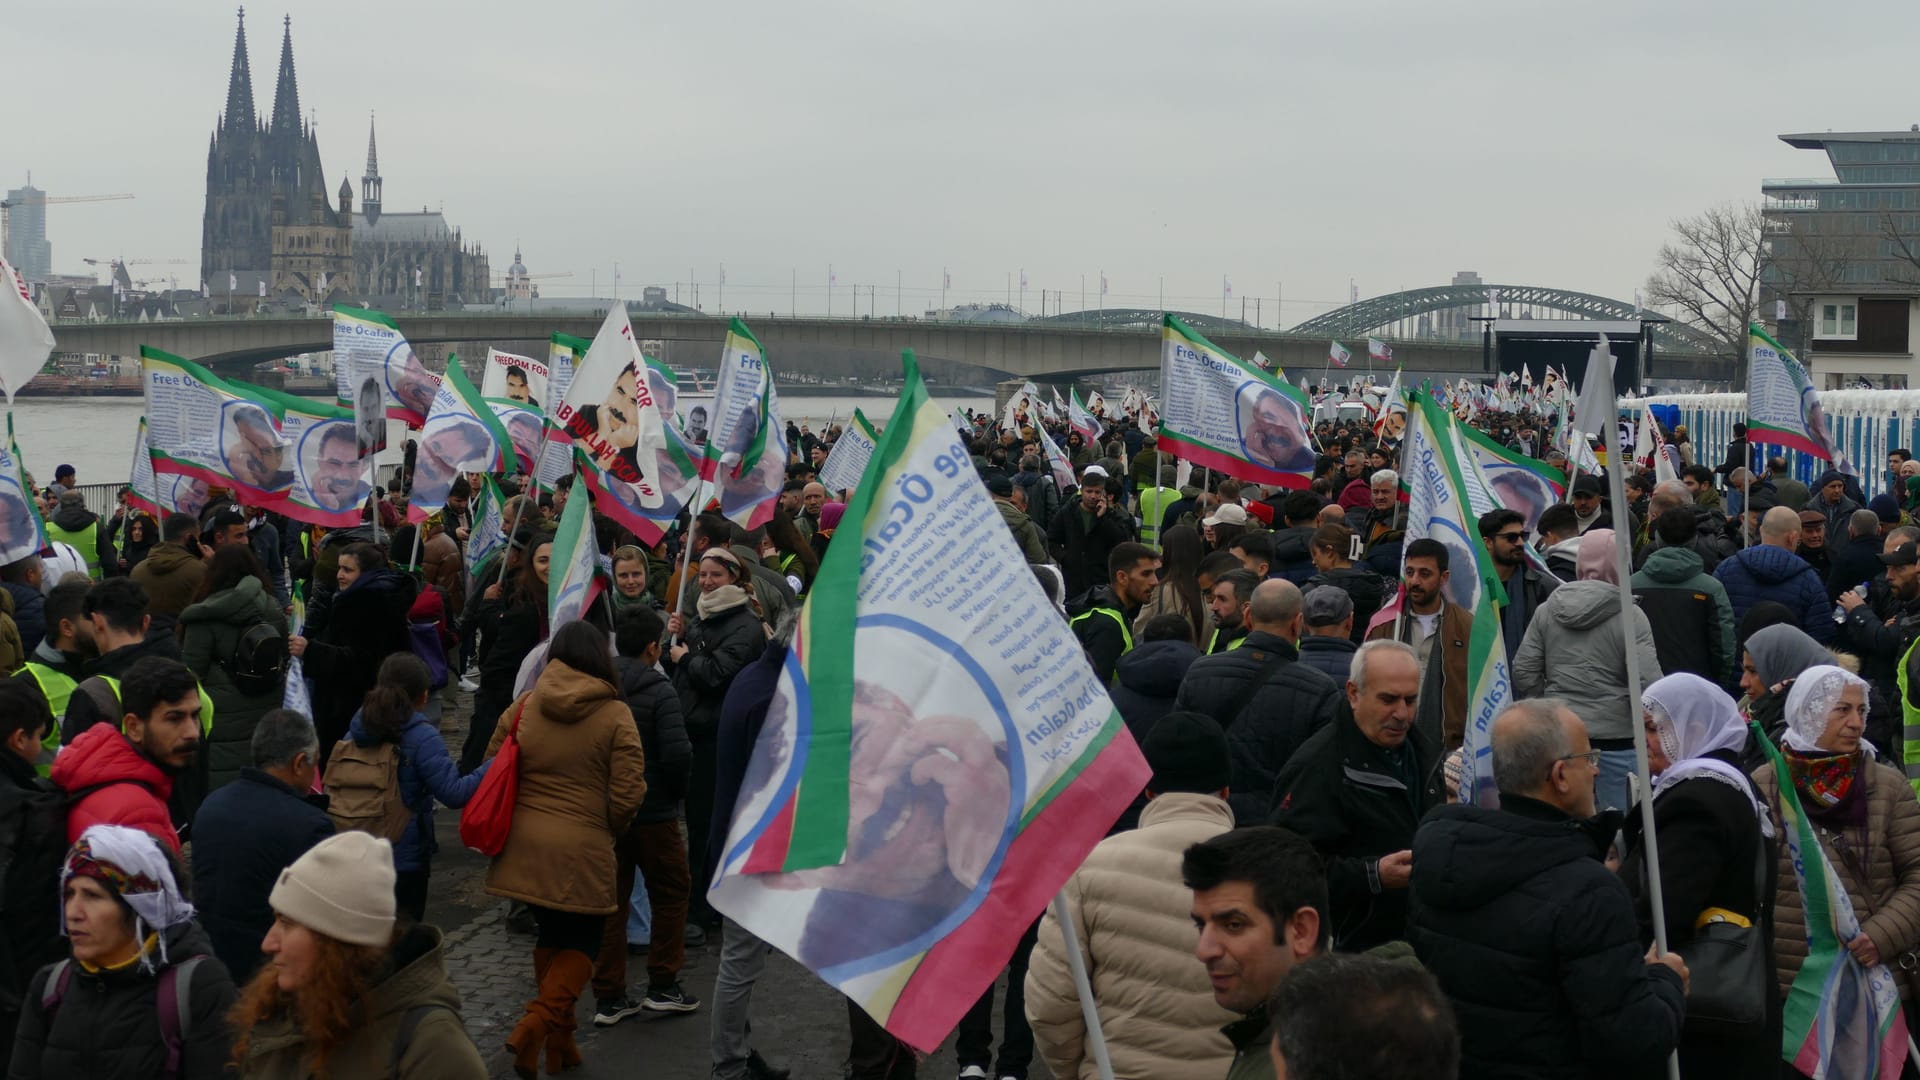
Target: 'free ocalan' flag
[575, 577]
[1222, 412]
[847, 461]
[938, 756]
[213, 430]
[370, 344]
[1783, 409]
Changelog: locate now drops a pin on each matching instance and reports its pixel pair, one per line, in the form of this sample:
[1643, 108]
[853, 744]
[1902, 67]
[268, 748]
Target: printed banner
[220, 432]
[938, 757]
[847, 461]
[514, 378]
[575, 578]
[146, 489]
[1081, 420]
[1782, 407]
[746, 452]
[330, 484]
[608, 408]
[525, 424]
[369, 343]
[488, 534]
[1516, 480]
[1057, 463]
[1222, 412]
[1392, 421]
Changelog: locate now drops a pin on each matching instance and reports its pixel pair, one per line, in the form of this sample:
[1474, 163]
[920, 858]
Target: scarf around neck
[723, 599]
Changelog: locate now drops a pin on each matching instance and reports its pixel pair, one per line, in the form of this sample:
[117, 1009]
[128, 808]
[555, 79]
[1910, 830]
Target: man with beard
[1358, 788]
[1437, 632]
[1274, 436]
[335, 473]
[128, 779]
[57, 662]
[1103, 624]
[1505, 534]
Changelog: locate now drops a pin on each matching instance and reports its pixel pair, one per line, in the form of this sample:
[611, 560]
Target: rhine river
[95, 435]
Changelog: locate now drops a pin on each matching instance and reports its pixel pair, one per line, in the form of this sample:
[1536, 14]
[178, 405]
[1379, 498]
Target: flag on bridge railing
[937, 757]
[1222, 412]
[25, 339]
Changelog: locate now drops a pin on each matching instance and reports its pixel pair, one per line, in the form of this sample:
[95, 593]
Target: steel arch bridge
[1369, 314]
[1145, 319]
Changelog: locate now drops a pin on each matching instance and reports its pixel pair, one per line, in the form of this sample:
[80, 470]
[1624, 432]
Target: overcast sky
[1390, 142]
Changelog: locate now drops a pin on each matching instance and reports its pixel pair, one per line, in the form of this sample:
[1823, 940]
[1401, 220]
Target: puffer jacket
[367, 624]
[416, 983]
[1535, 942]
[1573, 651]
[717, 649]
[1292, 554]
[14, 650]
[107, 1025]
[1688, 612]
[129, 788]
[211, 630]
[1765, 572]
[1130, 913]
[1331, 655]
[1367, 588]
[663, 736]
[1293, 704]
[1887, 901]
[1147, 680]
[171, 575]
[582, 776]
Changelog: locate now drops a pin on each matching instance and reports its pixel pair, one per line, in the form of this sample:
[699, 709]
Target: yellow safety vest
[206, 702]
[58, 688]
[86, 541]
[1154, 502]
[1910, 724]
[1126, 634]
[1215, 640]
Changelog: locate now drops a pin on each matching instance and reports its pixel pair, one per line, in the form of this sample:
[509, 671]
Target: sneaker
[669, 998]
[973, 1072]
[613, 1010]
[468, 684]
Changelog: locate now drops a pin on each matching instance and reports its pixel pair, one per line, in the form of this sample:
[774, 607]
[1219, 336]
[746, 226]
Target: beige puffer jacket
[1133, 920]
[1889, 906]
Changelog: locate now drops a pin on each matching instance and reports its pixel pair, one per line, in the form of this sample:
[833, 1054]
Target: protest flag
[1391, 406]
[1057, 463]
[1783, 409]
[330, 484]
[25, 339]
[368, 346]
[145, 497]
[576, 577]
[847, 461]
[608, 408]
[1337, 354]
[526, 425]
[1441, 507]
[746, 450]
[22, 530]
[1377, 350]
[462, 434]
[1222, 412]
[214, 430]
[488, 534]
[938, 756]
[1517, 481]
[1081, 420]
[515, 378]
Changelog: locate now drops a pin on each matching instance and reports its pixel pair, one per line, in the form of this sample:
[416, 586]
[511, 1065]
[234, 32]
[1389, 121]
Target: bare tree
[1708, 276]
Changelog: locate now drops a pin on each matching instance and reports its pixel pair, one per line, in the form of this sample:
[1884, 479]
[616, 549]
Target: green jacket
[1250, 1036]
[437, 1049]
[1026, 535]
[210, 631]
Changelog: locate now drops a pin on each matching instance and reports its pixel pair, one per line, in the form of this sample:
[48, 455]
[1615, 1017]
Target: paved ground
[798, 1021]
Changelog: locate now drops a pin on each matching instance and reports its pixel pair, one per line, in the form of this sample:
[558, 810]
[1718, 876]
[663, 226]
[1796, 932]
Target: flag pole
[1089, 1010]
[686, 549]
[533, 481]
[1623, 552]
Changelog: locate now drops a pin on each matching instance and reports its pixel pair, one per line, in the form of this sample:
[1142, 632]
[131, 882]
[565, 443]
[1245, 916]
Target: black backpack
[259, 661]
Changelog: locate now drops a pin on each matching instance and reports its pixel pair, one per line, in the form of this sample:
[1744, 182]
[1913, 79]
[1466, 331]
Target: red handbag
[488, 816]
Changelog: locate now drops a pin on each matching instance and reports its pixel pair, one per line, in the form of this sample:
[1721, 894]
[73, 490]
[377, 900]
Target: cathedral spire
[286, 94]
[370, 180]
[240, 81]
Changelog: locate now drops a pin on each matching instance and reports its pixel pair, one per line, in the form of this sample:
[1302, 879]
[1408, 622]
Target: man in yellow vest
[1153, 504]
[72, 523]
[115, 611]
[1105, 624]
[57, 663]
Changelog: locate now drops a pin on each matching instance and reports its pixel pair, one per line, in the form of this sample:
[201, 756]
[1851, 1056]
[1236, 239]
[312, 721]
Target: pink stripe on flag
[1236, 467]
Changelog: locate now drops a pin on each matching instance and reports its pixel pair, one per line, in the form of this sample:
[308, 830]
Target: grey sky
[1388, 141]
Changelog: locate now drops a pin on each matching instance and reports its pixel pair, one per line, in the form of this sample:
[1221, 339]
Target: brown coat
[582, 776]
[1889, 906]
[171, 575]
[1452, 633]
[441, 565]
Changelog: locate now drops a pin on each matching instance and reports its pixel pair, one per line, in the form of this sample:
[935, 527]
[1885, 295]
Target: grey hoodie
[1574, 651]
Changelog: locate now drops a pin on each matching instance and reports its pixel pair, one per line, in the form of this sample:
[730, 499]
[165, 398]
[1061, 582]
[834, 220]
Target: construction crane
[7, 205]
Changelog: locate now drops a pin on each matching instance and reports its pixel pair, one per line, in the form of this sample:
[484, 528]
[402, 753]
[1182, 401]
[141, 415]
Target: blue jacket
[427, 772]
[243, 836]
[29, 614]
[1765, 572]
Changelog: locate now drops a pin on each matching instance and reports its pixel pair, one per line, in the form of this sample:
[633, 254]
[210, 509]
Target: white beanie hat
[342, 887]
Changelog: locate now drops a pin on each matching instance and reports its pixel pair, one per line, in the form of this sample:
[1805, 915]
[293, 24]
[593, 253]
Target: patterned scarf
[1825, 779]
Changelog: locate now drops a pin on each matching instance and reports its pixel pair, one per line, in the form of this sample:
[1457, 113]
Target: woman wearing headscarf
[100, 1013]
[1713, 834]
[1867, 821]
[1774, 657]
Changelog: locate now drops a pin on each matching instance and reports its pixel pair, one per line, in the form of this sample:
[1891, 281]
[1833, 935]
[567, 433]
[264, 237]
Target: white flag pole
[686, 553]
[1089, 1009]
[1601, 367]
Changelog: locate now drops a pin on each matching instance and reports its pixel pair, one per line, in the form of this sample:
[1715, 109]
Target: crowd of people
[242, 888]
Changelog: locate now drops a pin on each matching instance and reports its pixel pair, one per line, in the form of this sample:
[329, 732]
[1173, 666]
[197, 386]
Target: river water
[95, 435]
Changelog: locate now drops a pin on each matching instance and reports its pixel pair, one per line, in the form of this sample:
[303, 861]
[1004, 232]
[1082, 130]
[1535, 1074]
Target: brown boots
[550, 1019]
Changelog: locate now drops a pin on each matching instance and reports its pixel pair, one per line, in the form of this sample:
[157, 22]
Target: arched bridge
[1367, 315]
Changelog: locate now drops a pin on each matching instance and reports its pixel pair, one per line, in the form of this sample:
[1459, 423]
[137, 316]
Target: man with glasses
[1505, 534]
[1358, 788]
[1533, 939]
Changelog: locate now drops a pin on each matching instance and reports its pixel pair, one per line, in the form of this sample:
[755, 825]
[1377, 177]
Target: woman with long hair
[131, 928]
[511, 620]
[138, 535]
[793, 555]
[233, 598]
[581, 779]
[348, 989]
[1179, 590]
[395, 712]
[1332, 550]
[368, 624]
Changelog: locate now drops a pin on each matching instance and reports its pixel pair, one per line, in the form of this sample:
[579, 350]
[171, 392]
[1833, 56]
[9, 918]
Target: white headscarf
[1812, 698]
[130, 863]
[1693, 718]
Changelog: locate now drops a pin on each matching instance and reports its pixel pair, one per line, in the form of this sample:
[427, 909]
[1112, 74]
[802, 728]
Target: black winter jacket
[1148, 680]
[1355, 803]
[1081, 548]
[245, 834]
[1361, 582]
[1331, 655]
[1104, 639]
[737, 730]
[1854, 562]
[1292, 554]
[663, 736]
[107, 1026]
[717, 650]
[368, 623]
[1294, 703]
[1535, 942]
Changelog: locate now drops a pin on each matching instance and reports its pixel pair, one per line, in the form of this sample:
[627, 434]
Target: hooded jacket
[171, 575]
[1688, 614]
[416, 982]
[1293, 555]
[582, 776]
[1573, 651]
[130, 788]
[107, 1025]
[1026, 535]
[211, 630]
[367, 624]
[1563, 559]
[1765, 572]
[1536, 944]
[79, 519]
[1105, 638]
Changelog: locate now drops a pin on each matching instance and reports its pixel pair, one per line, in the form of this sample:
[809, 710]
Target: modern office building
[1843, 284]
[27, 246]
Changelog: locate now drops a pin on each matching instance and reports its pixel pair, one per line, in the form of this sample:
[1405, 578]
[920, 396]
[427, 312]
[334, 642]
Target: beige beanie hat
[342, 887]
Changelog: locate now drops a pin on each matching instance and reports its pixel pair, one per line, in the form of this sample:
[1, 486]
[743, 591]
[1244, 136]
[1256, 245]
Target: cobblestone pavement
[798, 1021]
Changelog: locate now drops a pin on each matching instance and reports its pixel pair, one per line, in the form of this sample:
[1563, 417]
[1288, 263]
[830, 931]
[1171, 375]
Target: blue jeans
[1611, 788]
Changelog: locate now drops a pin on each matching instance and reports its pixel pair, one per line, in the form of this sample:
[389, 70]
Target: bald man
[812, 498]
[1268, 702]
[1770, 570]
